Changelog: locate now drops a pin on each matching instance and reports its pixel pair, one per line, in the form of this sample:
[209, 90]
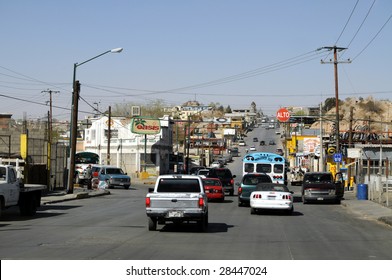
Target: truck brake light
[201, 202]
[148, 202]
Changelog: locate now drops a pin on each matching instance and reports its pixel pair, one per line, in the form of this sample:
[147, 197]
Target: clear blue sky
[230, 52]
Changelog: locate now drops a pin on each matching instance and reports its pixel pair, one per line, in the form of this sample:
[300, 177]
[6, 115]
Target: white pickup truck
[177, 198]
[14, 193]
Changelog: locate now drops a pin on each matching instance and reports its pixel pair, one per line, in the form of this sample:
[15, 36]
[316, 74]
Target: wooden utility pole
[50, 131]
[335, 62]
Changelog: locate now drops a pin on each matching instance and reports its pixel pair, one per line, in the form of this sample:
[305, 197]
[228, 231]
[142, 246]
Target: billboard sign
[145, 125]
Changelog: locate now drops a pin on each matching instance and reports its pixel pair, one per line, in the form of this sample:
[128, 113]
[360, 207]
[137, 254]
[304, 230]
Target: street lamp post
[74, 118]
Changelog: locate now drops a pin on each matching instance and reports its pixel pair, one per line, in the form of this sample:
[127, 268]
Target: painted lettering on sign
[142, 125]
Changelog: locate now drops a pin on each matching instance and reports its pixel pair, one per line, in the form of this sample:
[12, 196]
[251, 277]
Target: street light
[74, 118]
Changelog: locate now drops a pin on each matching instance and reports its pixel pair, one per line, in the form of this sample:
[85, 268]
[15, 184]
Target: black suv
[227, 179]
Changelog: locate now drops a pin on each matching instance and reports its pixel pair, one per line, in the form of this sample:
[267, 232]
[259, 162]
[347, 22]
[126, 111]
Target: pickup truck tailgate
[174, 200]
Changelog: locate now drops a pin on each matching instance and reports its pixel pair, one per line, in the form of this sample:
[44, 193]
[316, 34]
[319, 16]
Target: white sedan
[252, 148]
[273, 197]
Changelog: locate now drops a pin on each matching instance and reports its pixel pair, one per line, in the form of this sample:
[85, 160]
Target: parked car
[114, 176]
[255, 139]
[248, 185]
[214, 189]
[272, 142]
[273, 197]
[226, 177]
[322, 186]
[252, 148]
[262, 143]
[94, 174]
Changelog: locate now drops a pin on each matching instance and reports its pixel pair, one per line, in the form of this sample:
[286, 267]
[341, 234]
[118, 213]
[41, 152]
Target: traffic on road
[116, 226]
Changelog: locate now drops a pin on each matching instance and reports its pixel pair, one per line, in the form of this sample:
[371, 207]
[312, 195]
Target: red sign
[283, 115]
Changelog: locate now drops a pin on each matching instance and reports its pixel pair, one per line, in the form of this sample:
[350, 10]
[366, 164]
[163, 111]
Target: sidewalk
[367, 209]
[83, 192]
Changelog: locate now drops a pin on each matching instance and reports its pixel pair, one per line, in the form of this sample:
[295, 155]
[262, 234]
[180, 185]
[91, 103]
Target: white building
[127, 149]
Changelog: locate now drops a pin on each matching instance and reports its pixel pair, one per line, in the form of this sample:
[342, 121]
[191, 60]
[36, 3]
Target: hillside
[376, 112]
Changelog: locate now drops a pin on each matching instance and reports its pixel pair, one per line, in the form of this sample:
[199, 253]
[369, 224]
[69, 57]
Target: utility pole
[335, 62]
[73, 136]
[109, 132]
[50, 130]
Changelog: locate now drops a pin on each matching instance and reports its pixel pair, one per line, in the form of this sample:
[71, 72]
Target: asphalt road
[114, 227]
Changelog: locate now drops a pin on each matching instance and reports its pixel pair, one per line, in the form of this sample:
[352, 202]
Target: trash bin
[362, 192]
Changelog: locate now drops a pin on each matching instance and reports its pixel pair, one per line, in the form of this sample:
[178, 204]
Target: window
[278, 168]
[179, 185]
[263, 168]
[2, 174]
[248, 168]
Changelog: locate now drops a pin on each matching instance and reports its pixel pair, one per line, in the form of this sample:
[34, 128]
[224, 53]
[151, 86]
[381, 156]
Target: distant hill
[376, 112]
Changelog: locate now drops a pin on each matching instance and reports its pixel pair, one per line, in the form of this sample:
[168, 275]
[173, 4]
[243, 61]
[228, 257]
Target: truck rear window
[179, 185]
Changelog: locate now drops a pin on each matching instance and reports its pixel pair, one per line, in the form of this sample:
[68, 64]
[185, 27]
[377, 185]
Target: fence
[379, 189]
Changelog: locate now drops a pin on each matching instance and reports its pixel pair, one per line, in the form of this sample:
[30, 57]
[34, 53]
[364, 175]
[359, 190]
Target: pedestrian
[89, 176]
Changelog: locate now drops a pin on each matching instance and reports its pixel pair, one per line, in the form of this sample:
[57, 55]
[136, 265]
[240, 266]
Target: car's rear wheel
[252, 211]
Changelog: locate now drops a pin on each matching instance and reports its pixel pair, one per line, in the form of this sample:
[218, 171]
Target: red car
[213, 189]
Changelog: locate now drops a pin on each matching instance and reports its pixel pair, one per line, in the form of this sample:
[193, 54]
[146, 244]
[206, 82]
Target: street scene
[186, 139]
[112, 224]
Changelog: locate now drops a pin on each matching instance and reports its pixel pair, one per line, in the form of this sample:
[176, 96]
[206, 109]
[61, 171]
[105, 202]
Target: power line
[360, 26]
[371, 41]
[348, 20]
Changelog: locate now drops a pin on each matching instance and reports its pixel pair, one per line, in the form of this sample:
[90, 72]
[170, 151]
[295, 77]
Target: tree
[228, 109]
[153, 108]
[330, 103]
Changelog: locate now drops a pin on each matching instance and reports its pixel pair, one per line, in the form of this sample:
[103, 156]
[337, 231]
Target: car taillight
[201, 202]
[148, 202]
[239, 190]
[232, 182]
[257, 195]
[286, 196]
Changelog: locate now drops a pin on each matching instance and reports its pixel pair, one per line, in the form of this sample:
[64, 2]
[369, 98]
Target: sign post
[145, 125]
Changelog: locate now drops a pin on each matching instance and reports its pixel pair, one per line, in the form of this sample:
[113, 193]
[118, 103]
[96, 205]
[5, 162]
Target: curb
[67, 197]
[386, 220]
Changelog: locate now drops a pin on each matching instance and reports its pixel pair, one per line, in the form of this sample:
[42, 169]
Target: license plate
[320, 198]
[207, 191]
[175, 214]
[271, 197]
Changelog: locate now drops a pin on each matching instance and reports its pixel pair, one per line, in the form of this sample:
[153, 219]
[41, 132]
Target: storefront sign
[145, 125]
